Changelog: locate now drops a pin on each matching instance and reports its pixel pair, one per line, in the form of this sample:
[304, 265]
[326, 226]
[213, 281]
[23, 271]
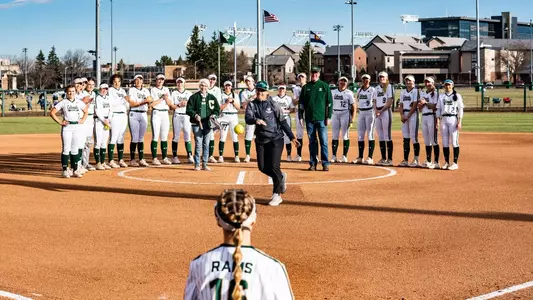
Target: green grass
[473, 122]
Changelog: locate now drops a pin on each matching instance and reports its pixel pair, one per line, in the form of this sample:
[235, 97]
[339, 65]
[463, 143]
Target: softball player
[450, 112]
[119, 105]
[139, 99]
[159, 122]
[285, 102]
[228, 120]
[180, 121]
[384, 98]
[74, 115]
[248, 95]
[302, 80]
[366, 120]
[89, 124]
[428, 106]
[215, 91]
[409, 115]
[237, 270]
[102, 126]
[80, 84]
[343, 116]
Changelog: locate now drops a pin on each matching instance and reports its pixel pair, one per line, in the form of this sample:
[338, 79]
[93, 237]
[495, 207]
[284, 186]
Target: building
[445, 43]
[294, 52]
[504, 26]
[440, 64]
[8, 74]
[280, 69]
[346, 53]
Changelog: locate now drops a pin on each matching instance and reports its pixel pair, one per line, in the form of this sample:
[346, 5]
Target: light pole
[338, 29]
[115, 49]
[478, 70]
[113, 62]
[352, 64]
[259, 33]
[400, 79]
[201, 59]
[97, 44]
[25, 50]
[65, 77]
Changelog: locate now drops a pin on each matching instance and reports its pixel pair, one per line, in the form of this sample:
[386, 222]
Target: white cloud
[20, 2]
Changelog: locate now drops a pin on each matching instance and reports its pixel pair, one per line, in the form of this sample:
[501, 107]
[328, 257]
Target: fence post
[525, 97]
[45, 103]
[3, 103]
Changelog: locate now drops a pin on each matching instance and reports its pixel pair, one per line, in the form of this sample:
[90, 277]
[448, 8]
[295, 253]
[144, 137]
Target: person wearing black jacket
[270, 123]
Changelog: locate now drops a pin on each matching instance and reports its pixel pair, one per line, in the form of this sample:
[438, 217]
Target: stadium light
[338, 29]
[352, 63]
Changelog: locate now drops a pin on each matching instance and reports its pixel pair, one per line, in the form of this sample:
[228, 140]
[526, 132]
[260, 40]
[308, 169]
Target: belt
[428, 114]
[365, 109]
[449, 115]
[406, 110]
[160, 110]
[138, 111]
[118, 112]
[72, 123]
[183, 114]
[380, 108]
[229, 113]
[340, 110]
[90, 114]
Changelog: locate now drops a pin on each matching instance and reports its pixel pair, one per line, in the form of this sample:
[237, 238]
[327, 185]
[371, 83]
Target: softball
[106, 127]
[239, 129]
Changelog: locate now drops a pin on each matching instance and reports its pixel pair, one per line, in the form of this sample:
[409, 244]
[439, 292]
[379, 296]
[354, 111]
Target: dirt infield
[361, 233]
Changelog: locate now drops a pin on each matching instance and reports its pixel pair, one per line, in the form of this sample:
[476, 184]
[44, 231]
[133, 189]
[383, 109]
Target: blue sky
[146, 29]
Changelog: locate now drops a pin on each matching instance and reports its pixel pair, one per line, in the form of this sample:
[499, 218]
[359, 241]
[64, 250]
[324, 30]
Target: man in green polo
[315, 108]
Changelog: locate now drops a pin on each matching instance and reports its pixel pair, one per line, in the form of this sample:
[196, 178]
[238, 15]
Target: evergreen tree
[121, 66]
[194, 47]
[303, 63]
[54, 68]
[164, 61]
[180, 61]
[40, 70]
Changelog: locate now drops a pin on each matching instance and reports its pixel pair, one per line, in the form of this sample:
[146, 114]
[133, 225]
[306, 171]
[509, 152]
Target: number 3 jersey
[448, 107]
[211, 276]
[342, 100]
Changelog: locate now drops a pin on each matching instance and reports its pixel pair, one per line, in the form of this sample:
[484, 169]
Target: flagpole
[219, 44]
[258, 40]
[235, 54]
[263, 53]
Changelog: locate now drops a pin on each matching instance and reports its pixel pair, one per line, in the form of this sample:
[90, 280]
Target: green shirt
[203, 110]
[315, 101]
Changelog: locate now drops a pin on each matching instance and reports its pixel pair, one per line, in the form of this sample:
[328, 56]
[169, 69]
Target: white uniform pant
[410, 127]
[384, 126]
[138, 125]
[119, 123]
[289, 122]
[250, 132]
[429, 130]
[181, 123]
[340, 122]
[449, 128]
[88, 141]
[70, 139]
[228, 121]
[299, 128]
[160, 125]
[102, 135]
[365, 125]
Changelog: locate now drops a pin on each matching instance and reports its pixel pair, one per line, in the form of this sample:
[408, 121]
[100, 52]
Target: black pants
[268, 161]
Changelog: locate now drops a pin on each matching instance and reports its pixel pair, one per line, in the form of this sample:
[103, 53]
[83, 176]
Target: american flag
[270, 18]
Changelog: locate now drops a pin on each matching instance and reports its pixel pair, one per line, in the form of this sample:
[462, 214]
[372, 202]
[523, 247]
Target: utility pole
[259, 33]
[97, 46]
[478, 69]
[113, 62]
[352, 64]
[25, 50]
[338, 29]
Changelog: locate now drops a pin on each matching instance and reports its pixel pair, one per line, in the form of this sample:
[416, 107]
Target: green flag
[226, 38]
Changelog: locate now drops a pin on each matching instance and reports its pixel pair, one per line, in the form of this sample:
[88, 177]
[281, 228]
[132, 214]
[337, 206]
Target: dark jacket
[194, 106]
[270, 112]
[315, 101]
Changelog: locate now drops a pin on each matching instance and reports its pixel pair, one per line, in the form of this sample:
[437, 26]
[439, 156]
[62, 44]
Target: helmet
[261, 85]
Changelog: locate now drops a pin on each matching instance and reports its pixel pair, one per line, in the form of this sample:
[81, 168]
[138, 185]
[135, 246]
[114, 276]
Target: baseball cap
[410, 77]
[282, 86]
[77, 80]
[138, 76]
[448, 81]
[344, 78]
[383, 74]
[302, 75]
[366, 76]
[429, 79]
[104, 86]
[160, 76]
[315, 70]
[84, 79]
[228, 83]
[212, 76]
[262, 85]
[249, 78]
[180, 79]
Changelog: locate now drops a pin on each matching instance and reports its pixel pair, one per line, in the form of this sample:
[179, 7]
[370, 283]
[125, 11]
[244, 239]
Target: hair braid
[237, 259]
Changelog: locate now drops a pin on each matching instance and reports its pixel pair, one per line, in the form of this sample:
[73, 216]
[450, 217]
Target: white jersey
[247, 95]
[409, 98]
[285, 102]
[365, 98]
[296, 91]
[342, 100]
[139, 95]
[102, 107]
[158, 93]
[382, 96]
[430, 98]
[449, 107]
[230, 108]
[117, 101]
[92, 95]
[177, 97]
[263, 277]
[215, 91]
[72, 110]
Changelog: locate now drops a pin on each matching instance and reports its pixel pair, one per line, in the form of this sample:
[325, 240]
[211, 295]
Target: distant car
[520, 84]
[489, 85]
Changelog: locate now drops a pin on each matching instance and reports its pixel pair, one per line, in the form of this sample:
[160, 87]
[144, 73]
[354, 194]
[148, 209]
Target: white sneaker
[156, 162]
[430, 165]
[333, 159]
[289, 158]
[381, 162]
[81, 170]
[359, 160]
[425, 164]
[206, 168]
[414, 164]
[143, 163]
[453, 167]
[388, 162]
[404, 163]
[275, 200]
[435, 165]
[66, 174]
[368, 161]
[78, 174]
[344, 159]
[113, 164]
[90, 167]
[298, 158]
[220, 159]
[176, 160]
[106, 166]
[122, 164]
[70, 172]
[99, 167]
[212, 160]
[167, 161]
[247, 159]
[191, 159]
[197, 168]
[445, 166]
[237, 159]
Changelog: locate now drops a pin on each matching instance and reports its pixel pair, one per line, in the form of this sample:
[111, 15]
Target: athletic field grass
[473, 122]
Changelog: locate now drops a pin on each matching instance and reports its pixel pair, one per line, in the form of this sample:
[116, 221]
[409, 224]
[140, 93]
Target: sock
[428, 153]
[334, 146]
[289, 148]
[174, 149]
[455, 154]
[80, 154]
[120, 148]
[140, 147]
[97, 155]
[110, 150]
[416, 147]
[248, 146]
[361, 145]
[188, 147]
[153, 148]
[299, 149]
[164, 148]
[383, 149]
[371, 146]
[236, 148]
[74, 162]
[390, 147]
[221, 148]
[102, 155]
[345, 147]
[211, 148]
[133, 147]
[436, 150]
[64, 161]
[446, 151]
[406, 148]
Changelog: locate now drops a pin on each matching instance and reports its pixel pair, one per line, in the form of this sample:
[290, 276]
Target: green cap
[315, 69]
[261, 85]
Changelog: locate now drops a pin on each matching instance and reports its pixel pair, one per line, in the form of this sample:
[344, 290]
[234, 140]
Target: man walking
[315, 109]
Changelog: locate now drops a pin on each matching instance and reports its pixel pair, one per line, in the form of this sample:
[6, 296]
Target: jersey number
[217, 285]
[344, 104]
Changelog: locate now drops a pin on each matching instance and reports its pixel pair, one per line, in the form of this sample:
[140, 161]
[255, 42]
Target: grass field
[473, 122]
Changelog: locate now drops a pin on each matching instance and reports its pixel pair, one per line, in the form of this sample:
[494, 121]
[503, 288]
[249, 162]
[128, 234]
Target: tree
[303, 63]
[40, 74]
[211, 60]
[164, 61]
[515, 57]
[54, 67]
[76, 61]
[121, 66]
[196, 50]
[180, 61]
[243, 64]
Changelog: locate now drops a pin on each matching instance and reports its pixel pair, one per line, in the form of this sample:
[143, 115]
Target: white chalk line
[270, 180]
[124, 173]
[240, 178]
[501, 292]
[13, 296]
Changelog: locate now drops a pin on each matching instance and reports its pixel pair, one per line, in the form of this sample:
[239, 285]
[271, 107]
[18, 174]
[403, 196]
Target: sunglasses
[212, 79]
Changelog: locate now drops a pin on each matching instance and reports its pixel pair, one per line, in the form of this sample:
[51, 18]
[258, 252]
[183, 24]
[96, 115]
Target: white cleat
[70, 172]
[247, 159]
[206, 168]
[99, 167]
[66, 174]
[167, 161]
[237, 159]
[133, 163]
[156, 162]
[414, 164]
[435, 165]
[143, 163]
[78, 174]
[404, 163]
[106, 166]
[298, 158]
[81, 170]
[275, 200]
[113, 164]
[381, 162]
[122, 164]
[344, 159]
[453, 167]
[446, 166]
[289, 158]
[197, 168]
[430, 165]
[388, 163]
[358, 161]
[90, 168]
[221, 160]
[369, 161]
[425, 164]
[333, 159]
[212, 160]
[191, 159]
[176, 160]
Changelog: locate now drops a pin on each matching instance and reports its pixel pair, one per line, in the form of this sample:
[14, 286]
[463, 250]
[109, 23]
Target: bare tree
[515, 57]
[77, 61]
[26, 65]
